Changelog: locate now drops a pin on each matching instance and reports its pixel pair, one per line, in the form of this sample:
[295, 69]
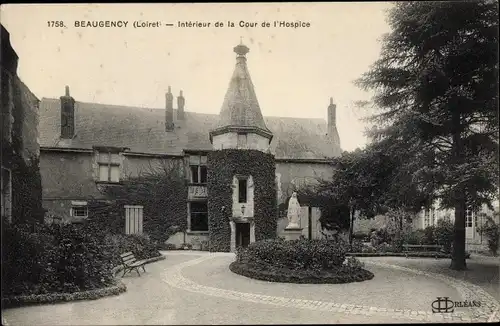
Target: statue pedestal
[293, 233]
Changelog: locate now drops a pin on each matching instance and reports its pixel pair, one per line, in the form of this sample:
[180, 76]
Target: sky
[295, 71]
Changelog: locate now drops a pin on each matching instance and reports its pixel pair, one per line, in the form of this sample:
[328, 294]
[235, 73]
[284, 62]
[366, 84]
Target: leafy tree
[436, 86]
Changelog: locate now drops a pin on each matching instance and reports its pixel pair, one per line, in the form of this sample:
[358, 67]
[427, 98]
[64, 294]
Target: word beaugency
[101, 23]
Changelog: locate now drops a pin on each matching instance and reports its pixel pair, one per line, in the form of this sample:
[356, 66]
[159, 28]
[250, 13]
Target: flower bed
[32, 299]
[422, 254]
[50, 263]
[299, 261]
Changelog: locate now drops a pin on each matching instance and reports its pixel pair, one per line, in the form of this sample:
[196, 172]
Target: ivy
[162, 193]
[25, 173]
[222, 166]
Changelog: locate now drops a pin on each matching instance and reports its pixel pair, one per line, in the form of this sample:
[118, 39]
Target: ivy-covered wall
[161, 192]
[222, 166]
[20, 148]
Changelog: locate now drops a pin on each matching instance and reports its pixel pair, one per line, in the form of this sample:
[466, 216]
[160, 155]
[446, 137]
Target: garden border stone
[50, 298]
[400, 254]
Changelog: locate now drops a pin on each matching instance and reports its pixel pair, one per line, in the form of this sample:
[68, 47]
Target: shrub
[116, 244]
[168, 246]
[361, 236]
[384, 247]
[295, 254]
[299, 261]
[368, 249]
[380, 236]
[356, 246]
[56, 258]
[492, 232]
[354, 263]
[429, 235]
[415, 237]
[444, 234]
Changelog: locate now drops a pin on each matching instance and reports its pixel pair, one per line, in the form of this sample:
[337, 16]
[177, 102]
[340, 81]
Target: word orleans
[445, 305]
[245, 24]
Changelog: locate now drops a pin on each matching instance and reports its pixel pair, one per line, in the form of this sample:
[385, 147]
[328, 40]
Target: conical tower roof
[240, 110]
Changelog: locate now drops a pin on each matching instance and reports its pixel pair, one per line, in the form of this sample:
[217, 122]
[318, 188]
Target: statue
[293, 212]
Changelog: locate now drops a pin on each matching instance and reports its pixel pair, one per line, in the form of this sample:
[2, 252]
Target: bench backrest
[421, 246]
[128, 257]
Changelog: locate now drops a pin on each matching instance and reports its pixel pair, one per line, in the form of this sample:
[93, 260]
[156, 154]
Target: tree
[436, 86]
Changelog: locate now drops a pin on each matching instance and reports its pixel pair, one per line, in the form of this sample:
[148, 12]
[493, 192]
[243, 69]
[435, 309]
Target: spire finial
[169, 89]
[180, 93]
[241, 49]
[67, 90]
[331, 100]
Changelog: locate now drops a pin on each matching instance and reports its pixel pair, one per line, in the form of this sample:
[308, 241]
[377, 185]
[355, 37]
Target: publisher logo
[445, 305]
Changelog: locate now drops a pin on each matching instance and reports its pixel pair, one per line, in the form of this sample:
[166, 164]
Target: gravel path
[198, 288]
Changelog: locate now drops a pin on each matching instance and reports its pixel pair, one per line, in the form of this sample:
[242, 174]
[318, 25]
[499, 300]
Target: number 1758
[55, 23]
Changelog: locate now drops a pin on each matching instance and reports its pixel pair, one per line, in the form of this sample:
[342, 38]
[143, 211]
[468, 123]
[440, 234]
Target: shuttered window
[133, 219]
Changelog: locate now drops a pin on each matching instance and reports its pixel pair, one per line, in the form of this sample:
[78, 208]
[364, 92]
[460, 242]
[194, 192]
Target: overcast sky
[295, 71]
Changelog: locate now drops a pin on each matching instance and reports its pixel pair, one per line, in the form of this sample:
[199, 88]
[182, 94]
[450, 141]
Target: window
[242, 190]
[198, 167]
[109, 167]
[79, 211]
[198, 216]
[468, 217]
[133, 219]
[426, 218]
[6, 194]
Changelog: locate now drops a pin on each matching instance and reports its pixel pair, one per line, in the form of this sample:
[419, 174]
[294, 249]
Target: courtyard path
[198, 288]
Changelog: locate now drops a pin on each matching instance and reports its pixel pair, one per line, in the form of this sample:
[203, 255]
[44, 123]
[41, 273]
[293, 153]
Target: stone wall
[21, 197]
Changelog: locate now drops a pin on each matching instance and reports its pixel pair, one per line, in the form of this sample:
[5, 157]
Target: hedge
[33, 299]
[261, 272]
[299, 261]
[222, 166]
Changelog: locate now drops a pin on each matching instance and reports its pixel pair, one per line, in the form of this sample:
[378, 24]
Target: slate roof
[240, 106]
[143, 131]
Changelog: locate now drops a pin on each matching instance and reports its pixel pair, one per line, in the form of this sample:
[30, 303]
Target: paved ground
[198, 288]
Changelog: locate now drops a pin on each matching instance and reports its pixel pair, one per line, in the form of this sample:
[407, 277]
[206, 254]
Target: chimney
[180, 106]
[332, 115]
[67, 115]
[169, 110]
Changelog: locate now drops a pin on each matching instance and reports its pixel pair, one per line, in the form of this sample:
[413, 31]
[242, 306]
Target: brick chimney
[67, 115]
[333, 133]
[169, 110]
[180, 106]
[332, 114]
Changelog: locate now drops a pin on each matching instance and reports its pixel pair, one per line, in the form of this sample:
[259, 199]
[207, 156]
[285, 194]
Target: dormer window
[109, 166]
[198, 168]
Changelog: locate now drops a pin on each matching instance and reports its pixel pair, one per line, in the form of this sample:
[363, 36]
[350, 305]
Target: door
[242, 234]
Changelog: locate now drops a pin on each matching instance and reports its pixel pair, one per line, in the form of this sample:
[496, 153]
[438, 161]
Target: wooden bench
[435, 248]
[130, 262]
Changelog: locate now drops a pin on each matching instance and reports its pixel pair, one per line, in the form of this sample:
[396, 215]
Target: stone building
[84, 145]
[20, 186]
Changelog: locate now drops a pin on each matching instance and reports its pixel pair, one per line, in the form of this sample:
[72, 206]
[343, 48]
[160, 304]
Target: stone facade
[109, 143]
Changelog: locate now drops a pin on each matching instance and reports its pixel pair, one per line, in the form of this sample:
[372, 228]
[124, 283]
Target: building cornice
[239, 129]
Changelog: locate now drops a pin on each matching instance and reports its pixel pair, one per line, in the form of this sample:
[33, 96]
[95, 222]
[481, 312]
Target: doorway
[242, 234]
